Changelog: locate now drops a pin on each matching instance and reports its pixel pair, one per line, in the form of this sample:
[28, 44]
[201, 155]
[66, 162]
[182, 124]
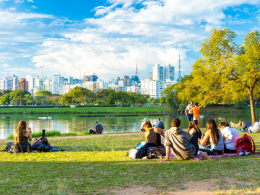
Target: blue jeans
[247, 126]
[92, 132]
[210, 151]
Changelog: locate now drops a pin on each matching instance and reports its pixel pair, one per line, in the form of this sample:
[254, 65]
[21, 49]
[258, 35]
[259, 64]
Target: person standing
[196, 112]
[189, 111]
[98, 129]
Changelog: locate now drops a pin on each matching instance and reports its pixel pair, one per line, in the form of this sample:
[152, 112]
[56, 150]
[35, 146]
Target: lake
[71, 123]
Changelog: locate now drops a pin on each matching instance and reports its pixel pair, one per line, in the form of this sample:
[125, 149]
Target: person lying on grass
[215, 137]
[178, 140]
[230, 137]
[153, 137]
[41, 144]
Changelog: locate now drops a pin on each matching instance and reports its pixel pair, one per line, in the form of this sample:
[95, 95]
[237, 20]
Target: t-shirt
[196, 112]
[231, 135]
[219, 145]
[159, 125]
[255, 128]
[99, 128]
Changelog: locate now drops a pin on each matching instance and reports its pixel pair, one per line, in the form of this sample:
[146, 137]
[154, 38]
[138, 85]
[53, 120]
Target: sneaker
[246, 153]
[241, 153]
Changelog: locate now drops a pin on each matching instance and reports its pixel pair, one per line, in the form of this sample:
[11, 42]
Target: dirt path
[82, 136]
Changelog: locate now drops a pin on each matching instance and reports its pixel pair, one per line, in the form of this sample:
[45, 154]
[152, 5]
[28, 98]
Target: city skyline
[46, 37]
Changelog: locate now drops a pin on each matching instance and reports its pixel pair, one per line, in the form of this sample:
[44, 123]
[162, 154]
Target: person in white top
[252, 129]
[189, 111]
[230, 136]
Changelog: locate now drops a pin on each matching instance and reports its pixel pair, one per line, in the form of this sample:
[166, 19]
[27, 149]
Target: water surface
[71, 123]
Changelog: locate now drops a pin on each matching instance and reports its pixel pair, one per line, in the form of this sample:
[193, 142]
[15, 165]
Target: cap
[145, 120]
[96, 122]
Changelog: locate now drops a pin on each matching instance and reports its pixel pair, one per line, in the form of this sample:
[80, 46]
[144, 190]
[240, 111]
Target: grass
[52, 134]
[97, 165]
[84, 110]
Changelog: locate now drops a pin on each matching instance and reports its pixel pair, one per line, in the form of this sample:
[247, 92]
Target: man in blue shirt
[159, 124]
[98, 129]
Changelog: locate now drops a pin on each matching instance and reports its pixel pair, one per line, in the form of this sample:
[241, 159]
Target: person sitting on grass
[143, 122]
[215, 137]
[230, 136]
[37, 144]
[98, 129]
[194, 127]
[178, 140]
[21, 137]
[153, 137]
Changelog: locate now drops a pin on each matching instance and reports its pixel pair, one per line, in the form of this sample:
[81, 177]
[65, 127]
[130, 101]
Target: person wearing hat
[143, 122]
[98, 129]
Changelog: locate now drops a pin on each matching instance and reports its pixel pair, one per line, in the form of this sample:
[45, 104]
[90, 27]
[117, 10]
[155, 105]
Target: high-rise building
[158, 73]
[127, 81]
[161, 73]
[57, 79]
[169, 72]
[23, 84]
[71, 80]
[154, 88]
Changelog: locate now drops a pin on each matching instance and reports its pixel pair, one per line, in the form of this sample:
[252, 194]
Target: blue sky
[108, 37]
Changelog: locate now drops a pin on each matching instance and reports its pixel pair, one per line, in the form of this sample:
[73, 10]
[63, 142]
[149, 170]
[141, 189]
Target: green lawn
[84, 110]
[97, 165]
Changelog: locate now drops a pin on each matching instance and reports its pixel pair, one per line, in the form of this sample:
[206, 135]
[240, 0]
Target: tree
[171, 97]
[17, 96]
[43, 93]
[226, 72]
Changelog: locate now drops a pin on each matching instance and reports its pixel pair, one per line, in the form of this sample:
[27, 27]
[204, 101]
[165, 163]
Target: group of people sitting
[22, 136]
[186, 144]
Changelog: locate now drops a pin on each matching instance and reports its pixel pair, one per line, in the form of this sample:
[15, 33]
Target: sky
[109, 37]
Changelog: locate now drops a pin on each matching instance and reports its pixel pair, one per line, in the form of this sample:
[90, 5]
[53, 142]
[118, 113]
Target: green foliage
[171, 98]
[43, 93]
[226, 73]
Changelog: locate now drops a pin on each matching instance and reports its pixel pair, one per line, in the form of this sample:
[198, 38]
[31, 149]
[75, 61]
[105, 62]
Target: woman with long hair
[153, 137]
[21, 135]
[215, 137]
[194, 127]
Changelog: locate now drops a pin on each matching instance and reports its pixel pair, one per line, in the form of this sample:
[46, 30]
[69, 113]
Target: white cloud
[5, 65]
[34, 7]
[124, 35]
[30, 0]
[3, 1]
[111, 43]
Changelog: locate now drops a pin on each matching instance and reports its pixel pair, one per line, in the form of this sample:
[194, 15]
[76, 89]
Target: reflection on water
[72, 123]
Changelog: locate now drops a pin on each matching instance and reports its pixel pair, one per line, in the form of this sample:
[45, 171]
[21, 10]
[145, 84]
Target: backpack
[139, 151]
[245, 143]
[162, 126]
[152, 152]
[42, 148]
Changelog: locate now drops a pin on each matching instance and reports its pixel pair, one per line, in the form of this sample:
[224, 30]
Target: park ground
[99, 165]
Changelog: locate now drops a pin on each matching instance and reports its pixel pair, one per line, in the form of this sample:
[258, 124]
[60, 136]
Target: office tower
[169, 72]
[158, 73]
[23, 84]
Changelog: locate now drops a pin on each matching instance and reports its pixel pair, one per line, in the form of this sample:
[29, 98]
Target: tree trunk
[252, 106]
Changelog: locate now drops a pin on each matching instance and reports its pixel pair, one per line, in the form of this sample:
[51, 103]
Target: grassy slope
[96, 165]
[83, 110]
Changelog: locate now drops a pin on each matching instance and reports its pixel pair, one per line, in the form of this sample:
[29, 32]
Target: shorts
[190, 116]
[196, 119]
